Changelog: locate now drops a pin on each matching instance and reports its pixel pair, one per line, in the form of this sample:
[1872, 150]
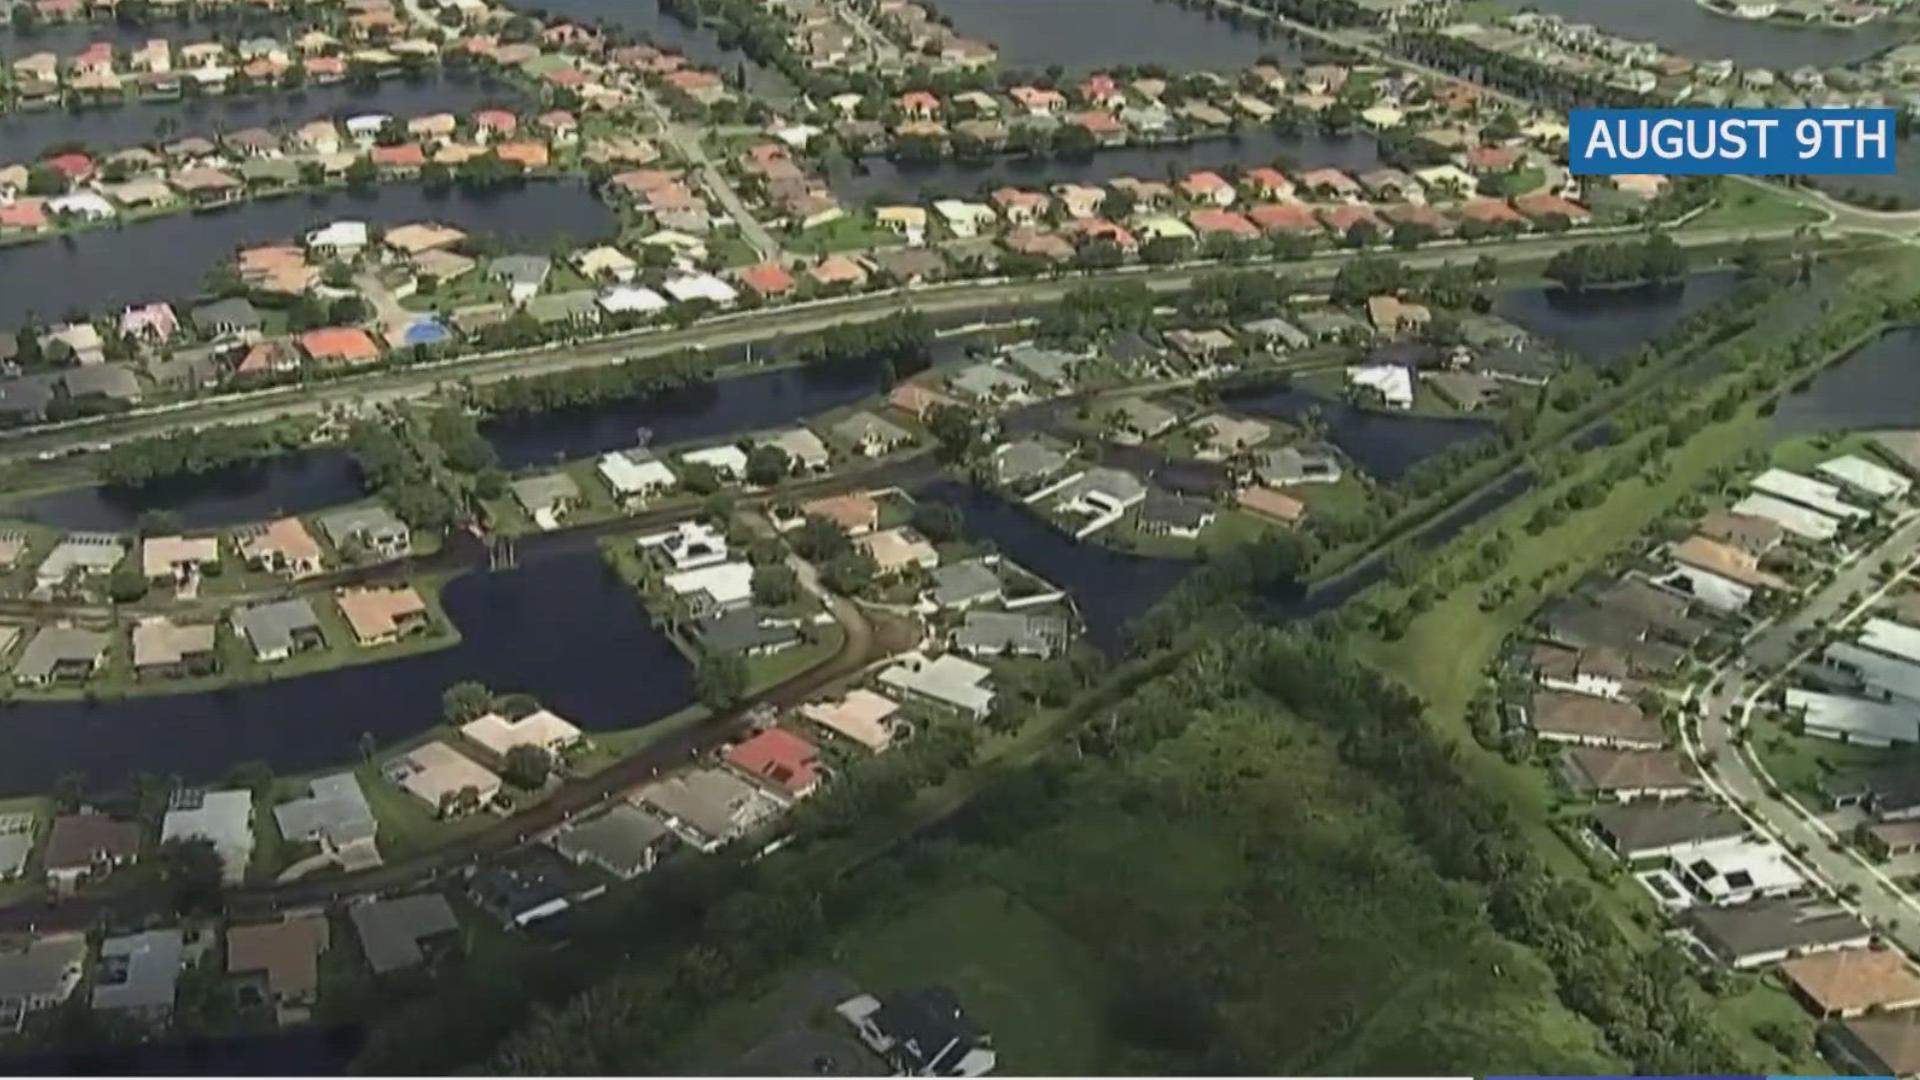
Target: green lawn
[765, 672]
[851, 233]
[1797, 763]
[1742, 205]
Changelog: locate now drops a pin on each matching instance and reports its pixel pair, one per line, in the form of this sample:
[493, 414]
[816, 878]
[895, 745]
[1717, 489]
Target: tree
[767, 465]
[256, 776]
[937, 521]
[45, 180]
[158, 523]
[464, 701]
[849, 573]
[70, 792]
[774, 585]
[191, 873]
[526, 767]
[128, 582]
[720, 680]
[699, 478]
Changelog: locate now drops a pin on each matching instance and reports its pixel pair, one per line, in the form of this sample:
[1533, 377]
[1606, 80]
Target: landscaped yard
[851, 233]
[1751, 206]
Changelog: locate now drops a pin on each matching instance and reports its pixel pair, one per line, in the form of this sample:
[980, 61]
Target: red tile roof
[1223, 222]
[340, 344]
[767, 279]
[780, 758]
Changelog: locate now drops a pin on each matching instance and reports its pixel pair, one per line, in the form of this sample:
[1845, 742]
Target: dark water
[168, 258]
[1082, 35]
[1384, 445]
[1878, 386]
[296, 1052]
[25, 135]
[1684, 27]
[878, 178]
[66, 39]
[1606, 325]
[644, 21]
[1109, 587]
[291, 484]
[560, 627]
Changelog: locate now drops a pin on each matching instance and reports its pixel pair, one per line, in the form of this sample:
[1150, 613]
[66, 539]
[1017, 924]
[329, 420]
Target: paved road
[688, 143]
[1728, 697]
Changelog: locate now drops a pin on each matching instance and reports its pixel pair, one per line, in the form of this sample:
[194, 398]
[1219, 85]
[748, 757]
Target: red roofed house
[779, 759]
[23, 215]
[1106, 129]
[1216, 222]
[1205, 186]
[1017, 206]
[492, 122]
[1285, 218]
[560, 125]
[1490, 212]
[405, 158]
[1100, 229]
[1100, 90]
[1540, 205]
[919, 105]
[1269, 183]
[339, 345]
[75, 166]
[767, 279]
[525, 153]
[1340, 219]
[1492, 159]
[1038, 100]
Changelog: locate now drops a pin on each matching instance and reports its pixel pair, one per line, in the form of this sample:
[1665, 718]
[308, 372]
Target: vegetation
[1656, 260]
[139, 462]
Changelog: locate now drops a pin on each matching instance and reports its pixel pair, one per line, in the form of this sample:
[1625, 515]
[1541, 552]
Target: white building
[1853, 720]
[1857, 474]
[1392, 382]
[1794, 518]
[1735, 870]
[1808, 492]
[636, 475]
[714, 588]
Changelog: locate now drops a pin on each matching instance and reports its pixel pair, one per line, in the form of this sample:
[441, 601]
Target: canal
[1085, 35]
[1877, 386]
[882, 179]
[1686, 28]
[104, 269]
[644, 21]
[560, 627]
[105, 129]
[65, 39]
[1384, 445]
[1604, 325]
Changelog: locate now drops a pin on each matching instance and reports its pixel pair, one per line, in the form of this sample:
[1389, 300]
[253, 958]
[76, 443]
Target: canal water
[560, 627]
[643, 20]
[168, 258]
[882, 179]
[1084, 35]
[1384, 445]
[297, 483]
[1686, 28]
[105, 129]
[1605, 325]
[1878, 386]
[68, 38]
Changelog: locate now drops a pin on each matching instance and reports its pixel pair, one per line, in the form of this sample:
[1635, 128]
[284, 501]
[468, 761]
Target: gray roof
[1767, 926]
[1027, 459]
[371, 520]
[619, 841]
[1643, 826]
[334, 808]
[195, 366]
[1003, 631]
[43, 969]
[541, 492]
[391, 930]
[138, 971]
[237, 312]
[564, 306]
[1171, 509]
[1900, 447]
[114, 381]
[1116, 484]
[521, 269]
[1285, 465]
[1051, 365]
[56, 645]
[271, 627]
[964, 582]
[863, 427]
[986, 380]
[1141, 415]
[28, 395]
[740, 630]
[712, 802]
[1279, 329]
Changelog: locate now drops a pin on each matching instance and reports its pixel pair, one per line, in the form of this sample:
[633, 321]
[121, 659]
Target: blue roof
[427, 332]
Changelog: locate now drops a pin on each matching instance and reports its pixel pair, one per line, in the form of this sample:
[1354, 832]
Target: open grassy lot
[1751, 206]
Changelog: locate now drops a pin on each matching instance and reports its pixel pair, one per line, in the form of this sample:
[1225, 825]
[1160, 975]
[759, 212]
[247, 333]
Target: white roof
[1896, 678]
[1856, 716]
[1756, 866]
[538, 728]
[224, 818]
[84, 203]
[1862, 475]
[1393, 382]
[631, 299]
[367, 123]
[1794, 518]
[436, 772]
[861, 716]
[948, 678]
[340, 234]
[701, 287]
[629, 477]
[727, 460]
[1806, 491]
[1892, 638]
[728, 583]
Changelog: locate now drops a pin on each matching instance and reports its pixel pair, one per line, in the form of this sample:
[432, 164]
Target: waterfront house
[221, 818]
[447, 781]
[540, 728]
[1010, 633]
[279, 629]
[60, 654]
[282, 546]
[546, 499]
[86, 846]
[177, 559]
[743, 631]
[381, 615]
[635, 476]
[869, 435]
[167, 649]
[333, 814]
[1026, 461]
[367, 532]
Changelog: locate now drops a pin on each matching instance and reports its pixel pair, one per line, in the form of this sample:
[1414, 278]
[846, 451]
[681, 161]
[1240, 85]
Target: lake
[108, 268]
[1686, 28]
[297, 483]
[1084, 35]
[885, 180]
[1607, 324]
[560, 627]
[105, 129]
[1878, 386]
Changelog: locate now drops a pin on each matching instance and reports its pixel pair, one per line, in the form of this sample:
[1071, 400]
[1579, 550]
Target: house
[87, 846]
[150, 324]
[1730, 871]
[862, 716]
[1099, 495]
[949, 681]
[1655, 829]
[348, 345]
[546, 499]
[1292, 466]
[1391, 385]
[962, 585]
[805, 452]
[381, 615]
[279, 629]
[870, 435]
[371, 532]
[766, 280]
[1880, 1043]
[625, 841]
[1599, 671]
[392, 931]
[896, 549]
[1766, 932]
[1171, 513]
[232, 316]
[41, 975]
[689, 545]
[742, 631]
[137, 974]
[221, 818]
[529, 884]
[1806, 524]
[1627, 775]
[16, 843]
[709, 808]
[856, 512]
[333, 813]
[523, 275]
[1223, 436]
[988, 383]
[177, 559]
[60, 654]
[1046, 365]
[1273, 505]
[1849, 982]
[286, 956]
[1010, 633]
[1863, 478]
[1026, 461]
[779, 760]
[539, 728]
[1757, 536]
[713, 589]
[1134, 419]
[728, 461]
[921, 1032]
[449, 782]
[1852, 720]
[79, 556]
[165, 648]
[1592, 721]
[283, 546]
[635, 476]
[1813, 494]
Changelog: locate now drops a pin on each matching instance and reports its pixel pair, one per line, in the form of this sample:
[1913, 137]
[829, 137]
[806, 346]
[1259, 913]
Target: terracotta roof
[1854, 980]
[348, 344]
[780, 758]
[1273, 504]
[767, 279]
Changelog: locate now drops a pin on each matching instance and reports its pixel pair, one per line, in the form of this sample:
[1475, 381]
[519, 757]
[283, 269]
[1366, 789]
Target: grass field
[1751, 206]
